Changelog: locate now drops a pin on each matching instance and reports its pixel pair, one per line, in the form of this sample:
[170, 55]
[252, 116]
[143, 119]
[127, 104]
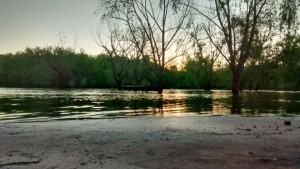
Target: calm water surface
[51, 104]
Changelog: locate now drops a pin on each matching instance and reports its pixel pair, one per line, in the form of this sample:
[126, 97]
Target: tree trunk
[236, 104]
[160, 77]
[236, 75]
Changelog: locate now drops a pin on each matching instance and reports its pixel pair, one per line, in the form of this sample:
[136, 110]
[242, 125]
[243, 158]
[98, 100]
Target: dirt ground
[137, 143]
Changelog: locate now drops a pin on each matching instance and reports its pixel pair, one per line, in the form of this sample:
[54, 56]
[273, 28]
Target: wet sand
[136, 143]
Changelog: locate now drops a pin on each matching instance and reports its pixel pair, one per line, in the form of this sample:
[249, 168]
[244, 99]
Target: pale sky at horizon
[37, 23]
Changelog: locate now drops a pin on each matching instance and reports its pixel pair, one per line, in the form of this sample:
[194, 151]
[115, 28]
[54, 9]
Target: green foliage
[195, 69]
[289, 12]
[63, 68]
[289, 59]
[222, 78]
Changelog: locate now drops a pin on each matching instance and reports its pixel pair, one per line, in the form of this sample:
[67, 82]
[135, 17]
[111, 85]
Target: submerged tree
[237, 23]
[162, 22]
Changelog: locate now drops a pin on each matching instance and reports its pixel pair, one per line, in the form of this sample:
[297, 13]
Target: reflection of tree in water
[34, 107]
[171, 103]
[199, 104]
[185, 104]
[236, 104]
[264, 103]
[158, 110]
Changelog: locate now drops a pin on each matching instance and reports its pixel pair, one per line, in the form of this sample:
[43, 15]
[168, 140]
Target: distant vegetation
[63, 68]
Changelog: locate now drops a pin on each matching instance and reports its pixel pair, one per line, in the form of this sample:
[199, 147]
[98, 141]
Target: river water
[27, 105]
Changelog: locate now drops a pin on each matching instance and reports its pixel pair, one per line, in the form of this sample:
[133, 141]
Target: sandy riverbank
[183, 142]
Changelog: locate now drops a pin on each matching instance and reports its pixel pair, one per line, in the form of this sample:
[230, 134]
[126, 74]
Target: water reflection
[236, 104]
[49, 104]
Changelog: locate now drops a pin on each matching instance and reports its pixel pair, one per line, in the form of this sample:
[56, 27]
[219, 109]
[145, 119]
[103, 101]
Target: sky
[38, 23]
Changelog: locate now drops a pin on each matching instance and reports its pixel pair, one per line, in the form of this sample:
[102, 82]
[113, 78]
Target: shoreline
[179, 115]
[149, 142]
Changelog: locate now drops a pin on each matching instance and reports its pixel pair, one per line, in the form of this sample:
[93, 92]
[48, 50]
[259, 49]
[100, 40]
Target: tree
[237, 22]
[289, 58]
[262, 54]
[118, 49]
[206, 54]
[162, 22]
[289, 14]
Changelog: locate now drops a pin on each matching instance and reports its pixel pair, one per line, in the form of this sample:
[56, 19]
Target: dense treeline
[54, 67]
[63, 68]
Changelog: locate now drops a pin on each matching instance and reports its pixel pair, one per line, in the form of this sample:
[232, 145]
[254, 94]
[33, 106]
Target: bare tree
[162, 22]
[118, 49]
[205, 52]
[236, 23]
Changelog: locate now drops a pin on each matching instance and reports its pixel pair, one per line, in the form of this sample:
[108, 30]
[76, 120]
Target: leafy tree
[289, 58]
[195, 73]
[289, 14]
[222, 78]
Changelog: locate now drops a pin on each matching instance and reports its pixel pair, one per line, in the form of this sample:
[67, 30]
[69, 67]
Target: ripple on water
[51, 104]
